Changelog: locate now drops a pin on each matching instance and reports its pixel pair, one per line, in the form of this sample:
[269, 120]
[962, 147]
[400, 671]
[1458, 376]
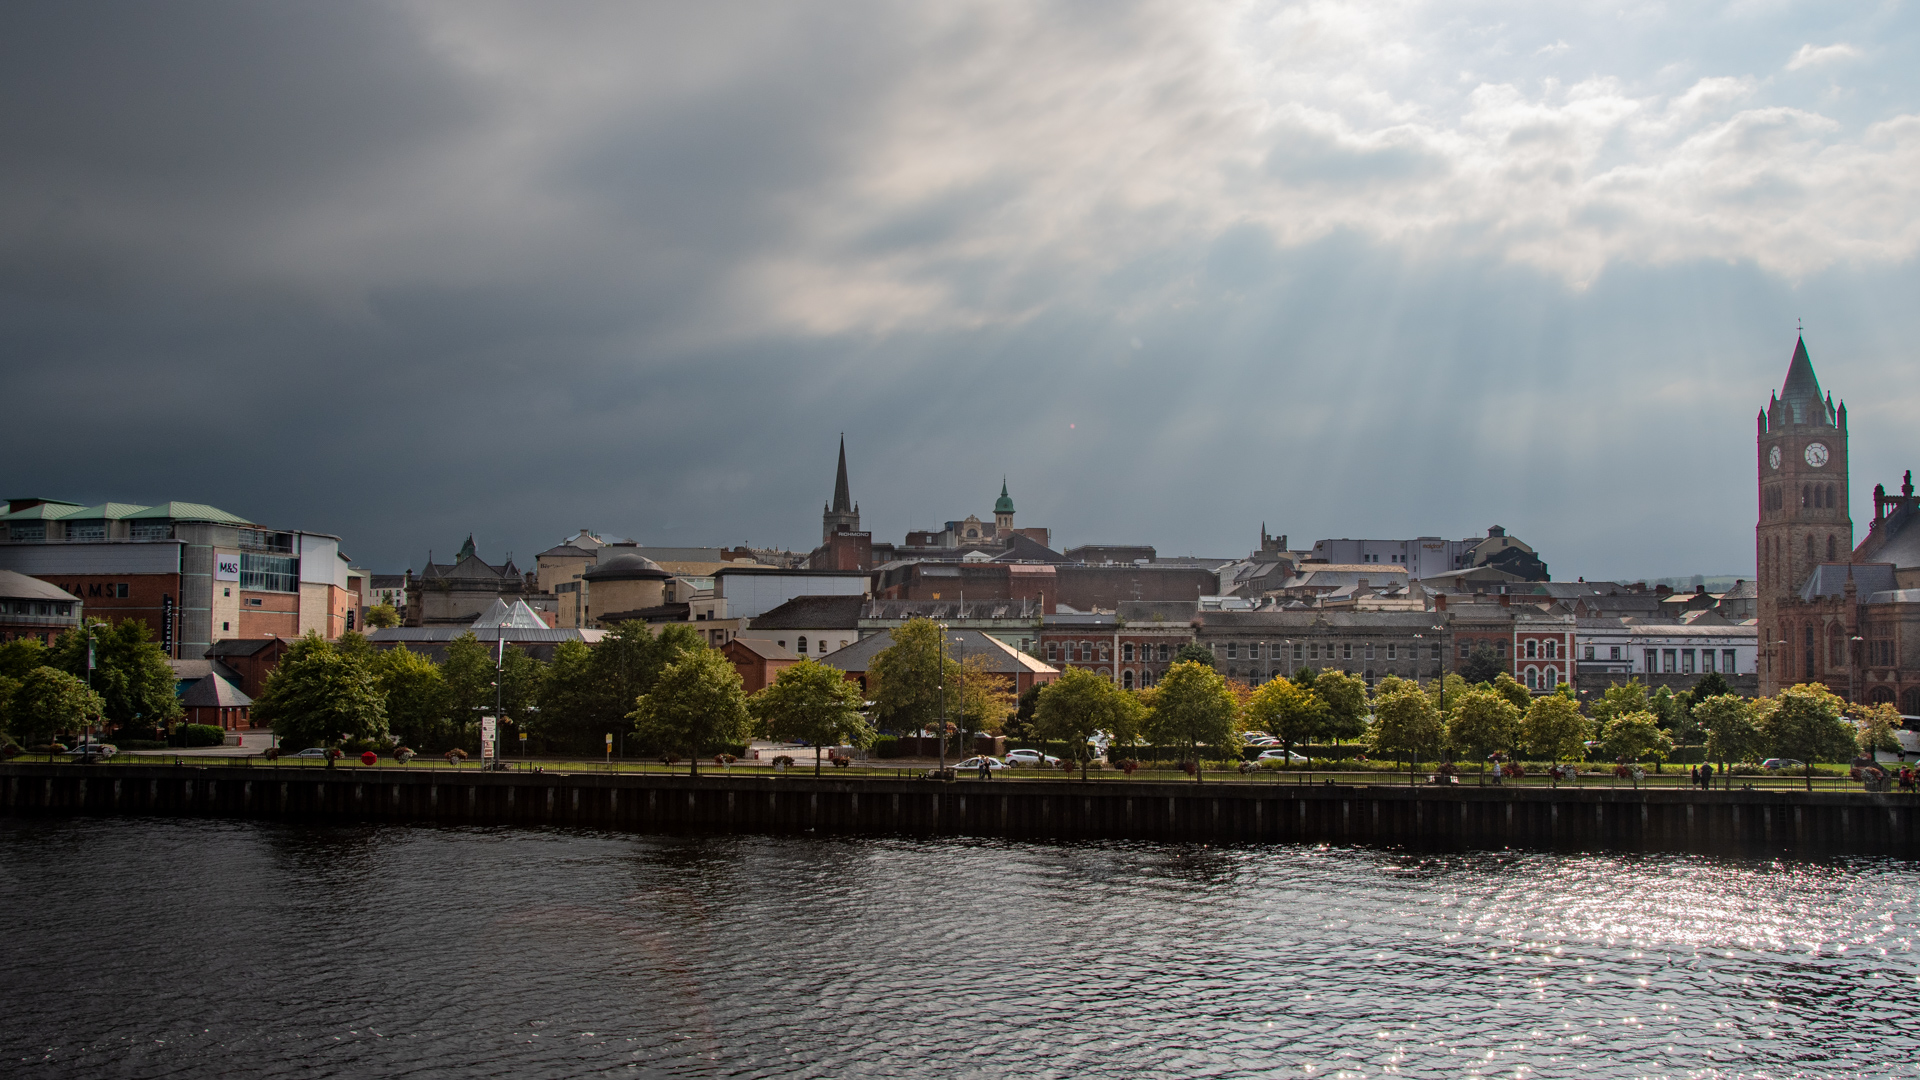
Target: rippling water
[153, 948]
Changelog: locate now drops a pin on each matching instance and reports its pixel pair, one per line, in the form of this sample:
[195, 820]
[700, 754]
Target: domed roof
[627, 568]
[1003, 505]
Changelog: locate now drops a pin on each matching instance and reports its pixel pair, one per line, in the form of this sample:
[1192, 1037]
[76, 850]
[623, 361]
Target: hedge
[199, 735]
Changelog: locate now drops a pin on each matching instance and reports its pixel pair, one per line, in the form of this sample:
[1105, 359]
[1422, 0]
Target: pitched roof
[187, 511]
[21, 587]
[842, 496]
[1830, 579]
[812, 613]
[214, 692]
[240, 646]
[46, 511]
[200, 669]
[1801, 382]
[764, 648]
[565, 551]
[519, 616]
[1000, 658]
[111, 511]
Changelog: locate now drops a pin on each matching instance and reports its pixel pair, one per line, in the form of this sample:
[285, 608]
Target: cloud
[1816, 56]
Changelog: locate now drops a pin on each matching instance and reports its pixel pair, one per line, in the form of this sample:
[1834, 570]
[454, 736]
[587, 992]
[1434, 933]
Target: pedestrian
[1693, 776]
[1706, 776]
[985, 764]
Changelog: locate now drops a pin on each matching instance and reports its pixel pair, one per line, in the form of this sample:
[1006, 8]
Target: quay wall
[1587, 818]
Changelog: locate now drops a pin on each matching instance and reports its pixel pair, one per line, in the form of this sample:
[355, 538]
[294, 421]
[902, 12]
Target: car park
[973, 764]
[1018, 758]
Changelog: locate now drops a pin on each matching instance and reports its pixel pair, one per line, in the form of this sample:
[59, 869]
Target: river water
[161, 948]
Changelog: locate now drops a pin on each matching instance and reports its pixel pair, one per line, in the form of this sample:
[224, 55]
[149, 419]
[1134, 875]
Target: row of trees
[44, 691]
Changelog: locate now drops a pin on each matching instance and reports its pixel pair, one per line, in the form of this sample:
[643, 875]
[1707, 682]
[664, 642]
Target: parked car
[973, 763]
[1776, 763]
[313, 751]
[1263, 740]
[1017, 758]
[1287, 756]
[93, 751]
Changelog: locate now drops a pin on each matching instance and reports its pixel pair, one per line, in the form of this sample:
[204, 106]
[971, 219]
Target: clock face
[1773, 457]
[1816, 454]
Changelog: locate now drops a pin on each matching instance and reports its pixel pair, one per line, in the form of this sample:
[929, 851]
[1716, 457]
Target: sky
[404, 272]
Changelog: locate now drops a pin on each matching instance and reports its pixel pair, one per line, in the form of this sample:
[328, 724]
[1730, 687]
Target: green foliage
[1345, 696]
[1554, 729]
[1454, 686]
[48, 701]
[382, 617]
[1305, 677]
[1806, 722]
[1635, 736]
[1482, 665]
[417, 700]
[1079, 703]
[1405, 724]
[1875, 725]
[811, 702]
[319, 695]
[1192, 707]
[1710, 685]
[1618, 700]
[468, 674]
[1020, 725]
[1732, 734]
[695, 707]
[1484, 721]
[1511, 689]
[1193, 653]
[588, 693]
[19, 658]
[569, 715]
[131, 673]
[200, 735]
[905, 679]
[1289, 712]
[979, 700]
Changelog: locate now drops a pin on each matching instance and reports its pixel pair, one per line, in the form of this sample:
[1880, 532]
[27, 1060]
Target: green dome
[1003, 505]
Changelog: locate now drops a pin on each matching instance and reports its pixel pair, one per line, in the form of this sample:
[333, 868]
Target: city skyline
[406, 275]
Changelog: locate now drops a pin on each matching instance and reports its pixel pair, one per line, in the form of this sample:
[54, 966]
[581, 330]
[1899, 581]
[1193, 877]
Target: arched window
[1836, 646]
[1830, 491]
[801, 647]
[1126, 679]
[1533, 679]
[1811, 646]
[1832, 548]
[1806, 496]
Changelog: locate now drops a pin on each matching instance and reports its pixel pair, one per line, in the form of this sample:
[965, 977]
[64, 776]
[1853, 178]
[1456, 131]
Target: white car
[1018, 758]
[1263, 740]
[312, 751]
[973, 764]
[96, 751]
[1287, 756]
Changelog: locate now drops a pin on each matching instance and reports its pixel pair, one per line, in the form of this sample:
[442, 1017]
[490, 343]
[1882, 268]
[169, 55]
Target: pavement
[251, 742]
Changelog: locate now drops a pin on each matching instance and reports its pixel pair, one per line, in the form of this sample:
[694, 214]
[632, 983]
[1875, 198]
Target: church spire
[842, 496]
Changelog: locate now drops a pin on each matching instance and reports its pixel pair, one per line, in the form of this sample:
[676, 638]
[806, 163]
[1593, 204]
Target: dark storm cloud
[406, 272]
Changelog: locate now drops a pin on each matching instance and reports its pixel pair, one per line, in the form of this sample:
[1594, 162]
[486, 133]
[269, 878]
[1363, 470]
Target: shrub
[200, 735]
[886, 746]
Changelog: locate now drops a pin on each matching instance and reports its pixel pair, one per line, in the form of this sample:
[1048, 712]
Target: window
[86, 530]
[1548, 678]
[1669, 659]
[227, 591]
[1613, 652]
[1533, 649]
[1727, 663]
[1436, 650]
[1126, 679]
[1500, 649]
[1053, 651]
[1346, 650]
[1253, 650]
[1103, 650]
[1831, 549]
[1706, 660]
[253, 601]
[1392, 649]
[29, 534]
[269, 573]
[149, 530]
[1589, 652]
[1126, 653]
[1533, 679]
[1466, 648]
[1233, 649]
[1086, 650]
[1166, 651]
[801, 647]
[1299, 650]
[1369, 650]
[1686, 661]
[226, 626]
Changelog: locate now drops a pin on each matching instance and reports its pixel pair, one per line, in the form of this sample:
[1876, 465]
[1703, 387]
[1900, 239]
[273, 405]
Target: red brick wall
[100, 593]
[276, 615]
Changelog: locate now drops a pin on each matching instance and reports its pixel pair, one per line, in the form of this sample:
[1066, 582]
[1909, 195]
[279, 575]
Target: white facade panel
[320, 562]
[40, 560]
[751, 594]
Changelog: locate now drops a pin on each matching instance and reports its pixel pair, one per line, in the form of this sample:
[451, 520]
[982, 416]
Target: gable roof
[1000, 658]
[812, 613]
[46, 511]
[214, 692]
[187, 511]
[21, 587]
[1830, 579]
[241, 646]
[763, 648]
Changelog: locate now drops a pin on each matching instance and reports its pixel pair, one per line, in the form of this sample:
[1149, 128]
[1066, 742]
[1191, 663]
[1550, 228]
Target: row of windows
[269, 573]
[35, 607]
[1681, 661]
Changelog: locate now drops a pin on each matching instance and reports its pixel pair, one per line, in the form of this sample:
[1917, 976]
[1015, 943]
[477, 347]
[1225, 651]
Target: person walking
[1693, 776]
[986, 768]
[1706, 776]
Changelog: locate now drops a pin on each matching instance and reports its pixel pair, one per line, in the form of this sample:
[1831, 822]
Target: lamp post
[941, 691]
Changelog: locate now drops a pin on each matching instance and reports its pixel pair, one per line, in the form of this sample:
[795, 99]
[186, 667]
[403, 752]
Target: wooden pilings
[1427, 817]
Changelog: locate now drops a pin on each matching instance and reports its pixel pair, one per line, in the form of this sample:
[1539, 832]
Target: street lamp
[942, 696]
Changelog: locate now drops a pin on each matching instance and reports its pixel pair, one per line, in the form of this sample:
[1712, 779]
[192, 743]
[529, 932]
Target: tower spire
[842, 496]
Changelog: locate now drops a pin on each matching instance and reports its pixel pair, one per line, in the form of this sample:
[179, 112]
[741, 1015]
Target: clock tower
[1802, 463]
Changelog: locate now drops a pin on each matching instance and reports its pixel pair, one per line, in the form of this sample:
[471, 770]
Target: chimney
[1440, 601]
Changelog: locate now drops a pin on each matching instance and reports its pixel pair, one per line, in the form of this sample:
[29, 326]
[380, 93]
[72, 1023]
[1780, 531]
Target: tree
[1729, 724]
[696, 706]
[1020, 726]
[811, 702]
[980, 700]
[318, 695]
[130, 673]
[1484, 721]
[1192, 707]
[1195, 653]
[1405, 721]
[1618, 700]
[1304, 677]
[468, 672]
[1635, 735]
[382, 617]
[1554, 728]
[567, 701]
[1513, 691]
[18, 658]
[1288, 712]
[416, 699]
[1482, 665]
[1451, 688]
[1710, 685]
[1876, 725]
[908, 679]
[1346, 699]
[1806, 722]
[596, 696]
[1079, 703]
[49, 701]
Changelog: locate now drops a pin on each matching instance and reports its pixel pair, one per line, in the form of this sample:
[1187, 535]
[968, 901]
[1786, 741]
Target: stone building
[456, 593]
